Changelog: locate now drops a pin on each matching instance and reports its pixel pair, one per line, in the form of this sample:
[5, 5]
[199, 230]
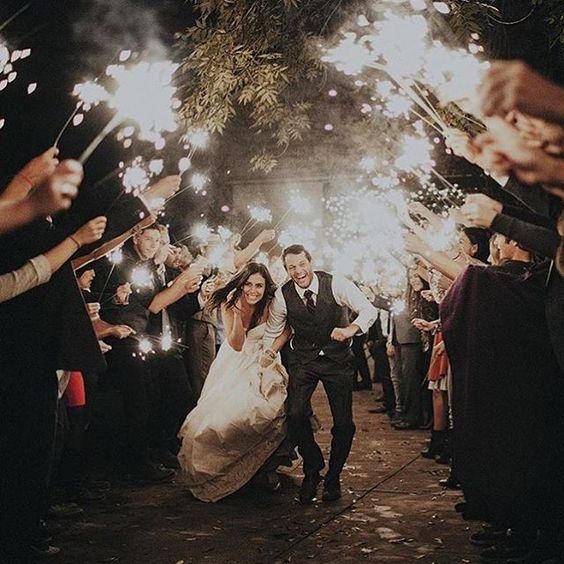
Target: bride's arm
[281, 340]
[269, 355]
[233, 327]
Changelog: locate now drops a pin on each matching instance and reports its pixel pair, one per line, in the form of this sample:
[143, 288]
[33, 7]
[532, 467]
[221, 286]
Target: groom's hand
[342, 334]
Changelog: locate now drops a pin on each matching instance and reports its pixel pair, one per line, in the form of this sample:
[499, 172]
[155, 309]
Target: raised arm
[245, 255]
[39, 270]
[54, 194]
[233, 327]
[185, 283]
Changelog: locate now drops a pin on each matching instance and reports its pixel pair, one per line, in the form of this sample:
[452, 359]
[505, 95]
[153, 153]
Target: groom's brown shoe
[308, 490]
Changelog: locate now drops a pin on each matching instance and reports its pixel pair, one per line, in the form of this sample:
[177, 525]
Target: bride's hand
[238, 306]
[267, 358]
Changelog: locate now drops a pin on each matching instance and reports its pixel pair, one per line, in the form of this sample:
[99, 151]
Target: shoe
[488, 536]
[450, 483]
[331, 492]
[308, 489]
[164, 457]
[435, 446]
[379, 409]
[403, 425]
[149, 472]
[44, 551]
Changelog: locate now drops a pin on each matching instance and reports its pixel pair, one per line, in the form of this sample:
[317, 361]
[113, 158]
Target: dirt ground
[392, 510]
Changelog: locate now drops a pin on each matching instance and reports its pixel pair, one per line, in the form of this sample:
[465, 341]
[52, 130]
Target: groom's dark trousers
[337, 379]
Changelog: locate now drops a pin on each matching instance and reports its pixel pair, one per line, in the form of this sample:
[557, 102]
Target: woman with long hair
[239, 421]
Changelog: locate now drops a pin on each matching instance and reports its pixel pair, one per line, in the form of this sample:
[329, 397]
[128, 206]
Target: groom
[316, 306]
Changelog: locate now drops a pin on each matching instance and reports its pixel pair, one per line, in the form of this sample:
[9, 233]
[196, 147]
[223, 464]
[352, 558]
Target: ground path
[392, 510]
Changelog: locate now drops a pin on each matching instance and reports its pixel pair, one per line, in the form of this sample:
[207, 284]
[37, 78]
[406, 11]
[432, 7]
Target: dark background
[73, 41]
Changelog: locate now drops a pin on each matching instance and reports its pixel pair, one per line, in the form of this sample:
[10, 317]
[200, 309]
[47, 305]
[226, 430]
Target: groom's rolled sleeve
[347, 294]
[276, 319]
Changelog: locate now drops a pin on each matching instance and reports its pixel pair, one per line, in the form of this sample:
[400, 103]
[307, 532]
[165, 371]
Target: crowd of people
[214, 359]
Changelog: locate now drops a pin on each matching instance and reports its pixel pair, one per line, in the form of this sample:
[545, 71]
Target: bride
[239, 421]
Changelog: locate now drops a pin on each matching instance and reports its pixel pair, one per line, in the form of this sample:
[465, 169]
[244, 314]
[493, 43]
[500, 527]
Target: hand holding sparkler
[208, 288]
[480, 211]
[159, 192]
[267, 235]
[460, 143]
[427, 295]
[189, 281]
[235, 240]
[93, 310]
[414, 244]
[58, 191]
[505, 151]
[35, 171]
[121, 331]
[539, 133]
[104, 347]
[90, 232]
[121, 296]
[417, 208]
[512, 85]
[424, 325]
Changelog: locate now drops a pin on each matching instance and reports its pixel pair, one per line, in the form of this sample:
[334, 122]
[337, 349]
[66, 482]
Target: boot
[436, 445]
[445, 454]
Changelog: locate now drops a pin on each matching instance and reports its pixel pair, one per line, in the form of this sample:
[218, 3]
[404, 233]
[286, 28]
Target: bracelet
[73, 239]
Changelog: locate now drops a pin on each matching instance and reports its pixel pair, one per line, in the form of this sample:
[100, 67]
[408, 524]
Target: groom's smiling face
[299, 269]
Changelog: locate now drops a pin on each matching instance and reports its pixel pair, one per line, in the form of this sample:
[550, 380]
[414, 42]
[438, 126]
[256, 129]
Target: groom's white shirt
[345, 294]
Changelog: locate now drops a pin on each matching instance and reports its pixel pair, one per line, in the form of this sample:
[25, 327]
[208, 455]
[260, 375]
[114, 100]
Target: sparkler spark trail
[144, 94]
[14, 16]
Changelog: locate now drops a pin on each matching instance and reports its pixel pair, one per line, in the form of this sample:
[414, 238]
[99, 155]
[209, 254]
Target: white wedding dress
[238, 423]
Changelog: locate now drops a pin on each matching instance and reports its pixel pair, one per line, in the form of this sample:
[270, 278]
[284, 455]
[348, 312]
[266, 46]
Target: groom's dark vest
[312, 332]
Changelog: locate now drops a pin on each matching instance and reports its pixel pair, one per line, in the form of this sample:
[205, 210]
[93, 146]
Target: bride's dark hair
[231, 292]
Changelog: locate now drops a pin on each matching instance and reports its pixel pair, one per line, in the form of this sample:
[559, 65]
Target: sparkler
[14, 16]
[201, 231]
[135, 178]
[224, 233]
[402, 47]
[166, 341]
[145, 346]
[198, 182]
[142, 93]
[197, 138]
[258, 214]
[141, 277]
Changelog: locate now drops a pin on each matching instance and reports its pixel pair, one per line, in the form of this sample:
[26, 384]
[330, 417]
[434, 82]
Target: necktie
[310, 304]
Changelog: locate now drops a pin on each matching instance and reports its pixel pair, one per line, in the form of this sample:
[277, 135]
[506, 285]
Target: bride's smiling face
[253, 289]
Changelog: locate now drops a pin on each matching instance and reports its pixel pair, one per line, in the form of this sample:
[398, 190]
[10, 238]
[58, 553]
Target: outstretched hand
[58, 190]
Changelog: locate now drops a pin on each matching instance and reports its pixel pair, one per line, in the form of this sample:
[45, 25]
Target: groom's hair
[295, 250]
